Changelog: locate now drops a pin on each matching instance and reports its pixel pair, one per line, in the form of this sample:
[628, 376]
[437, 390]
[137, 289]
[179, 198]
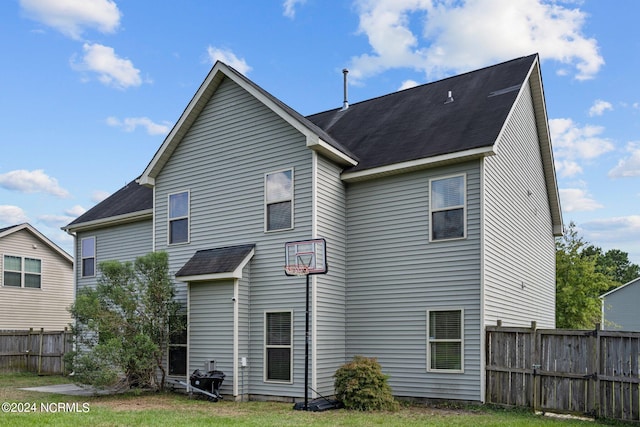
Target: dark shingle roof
[403, 126]
[214, 261]
[417, 123]
[130, 198]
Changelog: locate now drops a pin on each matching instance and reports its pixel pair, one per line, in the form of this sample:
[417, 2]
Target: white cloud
[55, 220]
[229, 58]
[567, 168]
[459, 36]
[571, 141]
[111, 69]
[289, 7]
[35, 181]
[577, 200]
[71, 17]
[12, 215]
[599, 107]
[408, 84]
[617, 233]
[75, 211]
[629, 166]
[129, 124]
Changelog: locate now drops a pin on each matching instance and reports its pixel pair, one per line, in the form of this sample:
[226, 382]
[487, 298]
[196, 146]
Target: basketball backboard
[305, 257]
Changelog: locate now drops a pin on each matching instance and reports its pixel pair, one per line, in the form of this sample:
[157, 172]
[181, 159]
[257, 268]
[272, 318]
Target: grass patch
[160, 409]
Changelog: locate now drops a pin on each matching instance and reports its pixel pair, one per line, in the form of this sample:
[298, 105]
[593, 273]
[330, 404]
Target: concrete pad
[68, 389]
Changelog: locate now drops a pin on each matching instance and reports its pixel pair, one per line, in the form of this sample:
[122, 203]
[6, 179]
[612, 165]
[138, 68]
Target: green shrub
[361, 385]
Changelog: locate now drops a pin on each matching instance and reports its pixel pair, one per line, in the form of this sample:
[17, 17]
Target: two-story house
[36, 281]
[438, 205]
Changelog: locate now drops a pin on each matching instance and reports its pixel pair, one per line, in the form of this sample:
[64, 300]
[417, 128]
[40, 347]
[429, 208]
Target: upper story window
[278, 200]
[88, 252]
[179, 217]
[445, 349]
[22, 272]
[447, 205]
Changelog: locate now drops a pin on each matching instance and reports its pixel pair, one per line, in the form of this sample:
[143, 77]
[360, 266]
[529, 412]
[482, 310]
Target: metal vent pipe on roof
[449, 98]
[345, 102]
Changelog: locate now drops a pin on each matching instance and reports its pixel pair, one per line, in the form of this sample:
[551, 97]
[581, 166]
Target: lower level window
[445, 351]
[178, 346]
[278, 347]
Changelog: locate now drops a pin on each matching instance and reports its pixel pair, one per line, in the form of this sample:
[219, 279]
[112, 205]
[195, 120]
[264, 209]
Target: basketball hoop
[296, 270]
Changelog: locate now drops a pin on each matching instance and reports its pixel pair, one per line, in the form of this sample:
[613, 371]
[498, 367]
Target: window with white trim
[447, 198]
[179, 217]
[278, 197]
[88, 256]
[177, 359]
[19, 272]
[445, 344]
[278, 346]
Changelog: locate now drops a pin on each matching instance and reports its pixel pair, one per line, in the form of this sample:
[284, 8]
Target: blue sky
[90, 88]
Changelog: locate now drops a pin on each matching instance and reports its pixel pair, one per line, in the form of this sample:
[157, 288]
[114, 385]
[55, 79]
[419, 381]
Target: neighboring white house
[621, 307]
[36, 282]
[438, 204]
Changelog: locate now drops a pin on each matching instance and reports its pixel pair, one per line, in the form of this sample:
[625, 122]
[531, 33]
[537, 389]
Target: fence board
[568, 371]
[37, 351]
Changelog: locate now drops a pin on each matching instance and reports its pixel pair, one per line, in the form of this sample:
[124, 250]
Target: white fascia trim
[235, 274]
[113, 220]
[321, 146]
[418, 164]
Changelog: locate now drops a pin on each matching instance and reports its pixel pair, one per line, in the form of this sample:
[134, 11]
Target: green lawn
[159, 409]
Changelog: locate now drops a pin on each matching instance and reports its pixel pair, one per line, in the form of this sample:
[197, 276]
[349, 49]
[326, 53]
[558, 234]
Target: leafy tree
[579, 284]
[122, 326]
[614, 263]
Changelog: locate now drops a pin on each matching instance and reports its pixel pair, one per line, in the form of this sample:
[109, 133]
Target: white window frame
[266, 346]
[463, 206]
[82, 257]
[281, 200]
[23, 271]
[431, 340]
[187, 217]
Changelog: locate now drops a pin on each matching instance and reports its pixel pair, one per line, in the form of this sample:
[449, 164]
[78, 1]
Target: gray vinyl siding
[211, 329]
[330, 309]
[222, 161]
[519, 282]
[24, 308]
[122, 243]
[620, 308]
[244, 328]
[395, 275]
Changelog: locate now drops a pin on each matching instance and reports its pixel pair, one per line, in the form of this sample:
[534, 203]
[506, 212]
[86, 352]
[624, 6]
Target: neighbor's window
[88, 252]
[447, 200]
[22, 272]
[179, 217]
[445, 347]
[178, 346]
[279, 200]
[278, 346]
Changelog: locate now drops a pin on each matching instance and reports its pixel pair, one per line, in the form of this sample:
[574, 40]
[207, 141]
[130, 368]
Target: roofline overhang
[110, 221]
[412, 165]
[619, 287]
[319, 145]
[235, 274]
[40, 236]
[198, 103]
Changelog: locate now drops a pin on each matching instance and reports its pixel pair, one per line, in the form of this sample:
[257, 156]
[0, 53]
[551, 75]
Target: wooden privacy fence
[37, 351]
[568, 371]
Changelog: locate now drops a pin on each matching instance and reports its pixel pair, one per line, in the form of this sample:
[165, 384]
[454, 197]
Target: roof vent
[345, 103]
[449, 98]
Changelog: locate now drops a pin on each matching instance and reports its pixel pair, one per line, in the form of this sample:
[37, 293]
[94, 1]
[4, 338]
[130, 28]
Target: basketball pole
[306, 351]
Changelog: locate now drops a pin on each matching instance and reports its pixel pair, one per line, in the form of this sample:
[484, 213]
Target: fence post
[40, 351]
[63, 349]
[535, 365]
[595, 368]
